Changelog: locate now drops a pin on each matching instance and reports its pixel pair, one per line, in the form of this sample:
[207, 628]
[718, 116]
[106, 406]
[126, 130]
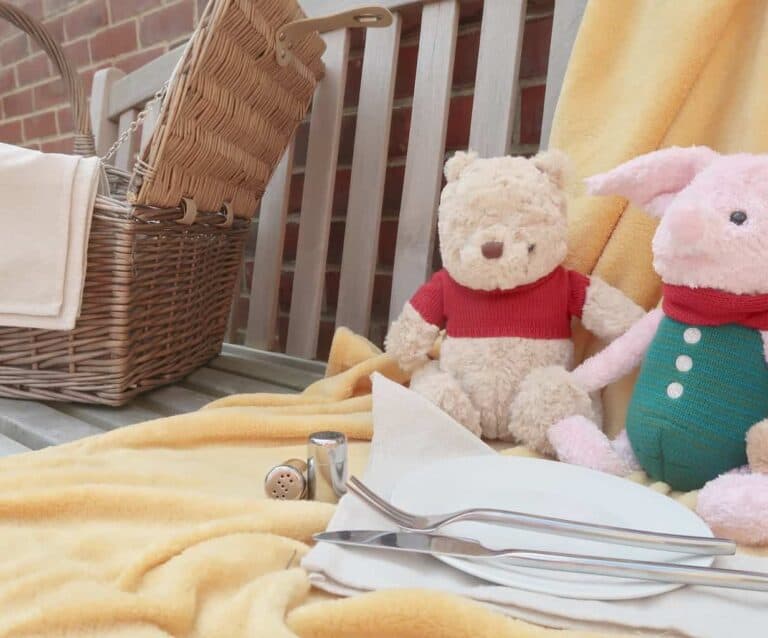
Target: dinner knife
[435, 544]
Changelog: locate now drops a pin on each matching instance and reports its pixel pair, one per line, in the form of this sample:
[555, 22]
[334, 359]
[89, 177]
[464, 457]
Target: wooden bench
[117, 99]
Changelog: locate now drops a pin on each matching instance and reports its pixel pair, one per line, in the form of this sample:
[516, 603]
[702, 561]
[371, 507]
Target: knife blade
[440, 545]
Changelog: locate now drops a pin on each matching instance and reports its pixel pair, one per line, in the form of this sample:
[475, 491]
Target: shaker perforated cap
[287, 481]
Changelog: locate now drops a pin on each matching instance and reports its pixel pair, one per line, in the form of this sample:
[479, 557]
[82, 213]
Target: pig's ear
[653, 180]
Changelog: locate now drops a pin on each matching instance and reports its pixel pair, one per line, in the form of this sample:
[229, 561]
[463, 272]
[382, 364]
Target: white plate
[551, 489]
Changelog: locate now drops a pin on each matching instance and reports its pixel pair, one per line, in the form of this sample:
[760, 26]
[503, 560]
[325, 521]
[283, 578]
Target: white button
[684, 363]
[675, 390]
[692, 335]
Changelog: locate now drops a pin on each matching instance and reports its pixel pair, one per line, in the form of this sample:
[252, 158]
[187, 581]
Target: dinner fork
[559, 526]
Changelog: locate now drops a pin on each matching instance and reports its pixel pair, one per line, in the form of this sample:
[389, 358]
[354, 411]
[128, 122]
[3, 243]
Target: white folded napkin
[46, 206]
[410, 432]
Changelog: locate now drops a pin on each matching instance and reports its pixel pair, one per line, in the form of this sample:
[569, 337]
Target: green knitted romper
[700, 389]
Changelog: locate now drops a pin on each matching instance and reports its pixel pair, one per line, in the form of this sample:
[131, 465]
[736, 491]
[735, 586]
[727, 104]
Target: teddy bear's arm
[410, 338]
[620, 357]
[764, 335]
[608, 312]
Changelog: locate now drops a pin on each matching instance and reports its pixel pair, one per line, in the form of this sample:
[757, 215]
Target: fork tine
[359, 489]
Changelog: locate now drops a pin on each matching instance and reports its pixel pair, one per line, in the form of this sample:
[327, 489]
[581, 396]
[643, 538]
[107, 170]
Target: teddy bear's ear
[554, 164]
[455, 166]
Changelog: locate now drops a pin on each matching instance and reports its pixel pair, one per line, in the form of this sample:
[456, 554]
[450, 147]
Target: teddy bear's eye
[738, 217]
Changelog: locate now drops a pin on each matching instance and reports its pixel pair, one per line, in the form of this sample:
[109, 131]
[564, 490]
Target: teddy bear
[503, 297]
[699, 409]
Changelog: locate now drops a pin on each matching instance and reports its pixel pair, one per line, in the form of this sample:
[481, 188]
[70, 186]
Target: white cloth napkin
[46, 206]
[410, 432]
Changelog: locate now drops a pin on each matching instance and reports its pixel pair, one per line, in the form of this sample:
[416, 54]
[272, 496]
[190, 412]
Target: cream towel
[46, 205]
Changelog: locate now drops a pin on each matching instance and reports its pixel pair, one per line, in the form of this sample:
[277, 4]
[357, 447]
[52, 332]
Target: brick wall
[129, 33]
[95, 34]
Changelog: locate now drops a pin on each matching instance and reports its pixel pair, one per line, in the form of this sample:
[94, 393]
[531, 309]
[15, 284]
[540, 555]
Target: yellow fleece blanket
[161, 529]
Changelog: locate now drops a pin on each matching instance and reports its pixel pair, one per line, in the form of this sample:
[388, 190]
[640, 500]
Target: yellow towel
[161, 529]
[644, 75]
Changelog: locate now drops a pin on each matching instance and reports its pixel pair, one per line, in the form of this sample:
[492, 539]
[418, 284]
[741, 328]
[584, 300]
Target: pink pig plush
[699, 411]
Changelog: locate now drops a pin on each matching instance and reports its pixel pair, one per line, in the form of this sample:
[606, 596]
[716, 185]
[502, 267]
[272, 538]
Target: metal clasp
[371, 17]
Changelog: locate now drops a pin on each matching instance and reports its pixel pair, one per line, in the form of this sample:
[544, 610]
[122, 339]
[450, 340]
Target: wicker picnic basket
[166, 245]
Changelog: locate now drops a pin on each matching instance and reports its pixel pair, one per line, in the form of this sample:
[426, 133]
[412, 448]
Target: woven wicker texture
[231, 109]
[157, 291]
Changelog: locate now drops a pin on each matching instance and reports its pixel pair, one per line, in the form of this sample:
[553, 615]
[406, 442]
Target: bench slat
[261, 329]
[35, 425]
[317, 199]
[426, 148]
[369, 168]
[136, 88]
[104, 127]
[219, 383]
[173, 399]
[106, 417]
[565, 26]
[125, 155]
[9, 447]
[498, 67]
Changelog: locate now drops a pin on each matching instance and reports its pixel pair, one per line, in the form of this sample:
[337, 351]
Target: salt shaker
[327, 466]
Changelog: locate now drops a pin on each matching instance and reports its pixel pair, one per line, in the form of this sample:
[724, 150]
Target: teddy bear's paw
[445, 392]
[757, 447]
[578, 441]
[735, 506]
[547, 395]
[410, 339]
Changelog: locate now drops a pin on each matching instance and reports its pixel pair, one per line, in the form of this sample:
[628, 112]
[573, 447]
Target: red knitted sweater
[539, 310]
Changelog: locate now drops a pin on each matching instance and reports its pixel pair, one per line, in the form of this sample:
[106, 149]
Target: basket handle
[84, 144]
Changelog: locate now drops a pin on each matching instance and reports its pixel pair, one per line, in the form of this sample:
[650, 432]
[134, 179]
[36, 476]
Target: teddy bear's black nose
[492, 249]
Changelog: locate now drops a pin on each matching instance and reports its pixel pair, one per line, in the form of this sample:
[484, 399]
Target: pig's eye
[738, 217]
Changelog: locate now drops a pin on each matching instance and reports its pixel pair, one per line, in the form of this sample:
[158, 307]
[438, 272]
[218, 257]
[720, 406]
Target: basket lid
[230, 110]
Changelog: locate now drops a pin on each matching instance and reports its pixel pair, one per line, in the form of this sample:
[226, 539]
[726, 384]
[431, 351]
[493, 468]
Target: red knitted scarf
[710, 307]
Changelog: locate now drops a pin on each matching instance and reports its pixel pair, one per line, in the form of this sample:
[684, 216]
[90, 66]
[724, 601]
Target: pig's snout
[686, 228]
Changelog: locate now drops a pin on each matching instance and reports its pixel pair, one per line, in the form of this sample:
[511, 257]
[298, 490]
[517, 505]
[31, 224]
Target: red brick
[114, 42]
[78, 52]
[7, 80]
[14, 49]
[123, 9]
[56, 28]
[32, 7]
[531, 113]
[168, 24]
[137, 60]
[42, 125]
[50, 94]
[19, 103]
[61, 145]
[64, 119]
[86, 18]
[535, 56]
[52, 7]
[34, 69]
[10, 133]
[465, 62]
[459, 118]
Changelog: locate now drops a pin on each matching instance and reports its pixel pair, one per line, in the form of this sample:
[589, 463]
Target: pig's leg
[735, 505]
[579, 441]
[444, 391]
